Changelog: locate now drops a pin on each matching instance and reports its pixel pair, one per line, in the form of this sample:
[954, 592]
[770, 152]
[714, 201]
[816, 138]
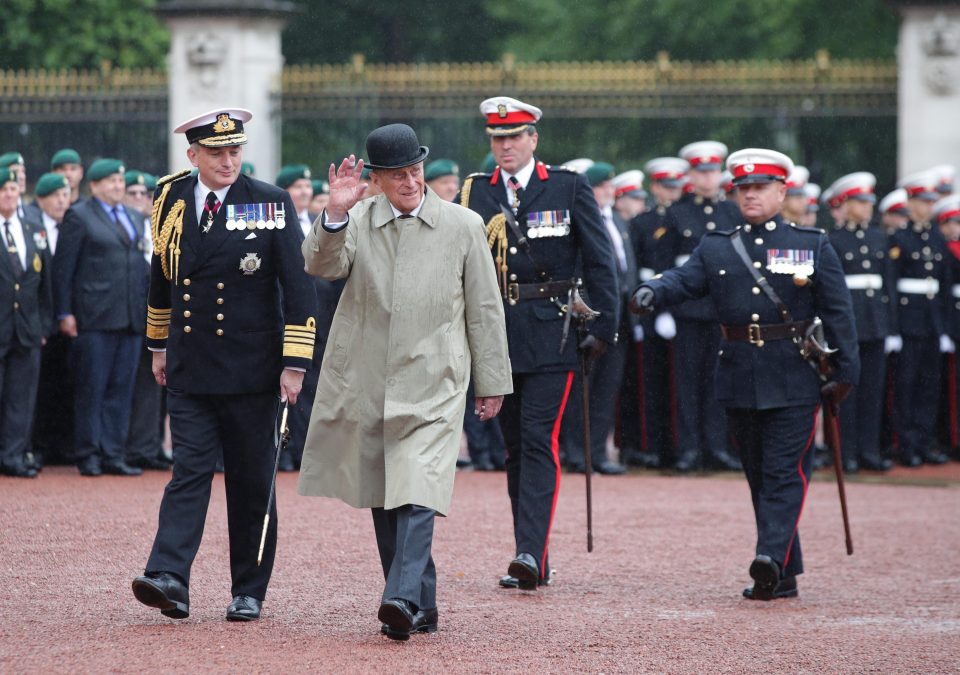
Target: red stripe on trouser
[555, 449]
[806, 484]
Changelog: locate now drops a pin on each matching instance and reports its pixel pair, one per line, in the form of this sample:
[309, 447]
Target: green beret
[50, 183]
[321, 187]
[150, 181]
[439, 168]
[7, 175]
[247, 169]
[291, 173]
[10, 158]
[134, 177]
[489, 163]
[65, 156]
[599, 173]
[104, 167]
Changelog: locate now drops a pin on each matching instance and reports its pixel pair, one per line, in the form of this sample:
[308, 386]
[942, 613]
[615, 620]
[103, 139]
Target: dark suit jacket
[25, 303]
[100, 274]
[629, 277]
[227, 330]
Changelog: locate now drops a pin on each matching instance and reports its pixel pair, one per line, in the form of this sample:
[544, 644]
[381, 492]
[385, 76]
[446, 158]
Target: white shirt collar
[416, 212]
[202, 190]
[523, 175]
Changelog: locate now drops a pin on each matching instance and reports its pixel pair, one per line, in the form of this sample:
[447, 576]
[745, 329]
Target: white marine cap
[921, 185]
[667, 170]
[507, 116]
[796, 180]
[812, 191]
[579, 165]
[759, 165]
[216, 128]
[895, 202]
[947, 208]
[947, 173]
[857, 185]
[704, 155]
[629, 183]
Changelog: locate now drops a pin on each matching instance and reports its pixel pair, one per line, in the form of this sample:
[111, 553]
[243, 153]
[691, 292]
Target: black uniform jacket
[774, 375]
[26, 312]
[577, 246]
[918, 253]
[100, 274]
[237, 307]
[688, 220]
[862, 249]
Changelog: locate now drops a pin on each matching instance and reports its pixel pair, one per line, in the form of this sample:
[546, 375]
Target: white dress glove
[892, 343]
[665, 326]
[638, 333]
[946, 345]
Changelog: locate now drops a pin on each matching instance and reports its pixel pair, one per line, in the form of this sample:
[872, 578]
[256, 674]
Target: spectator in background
[67, 163]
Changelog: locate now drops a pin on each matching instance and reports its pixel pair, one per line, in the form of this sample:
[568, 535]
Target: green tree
[58, 34]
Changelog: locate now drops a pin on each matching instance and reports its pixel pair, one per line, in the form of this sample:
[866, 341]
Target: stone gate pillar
[223, 53]
[928, 59]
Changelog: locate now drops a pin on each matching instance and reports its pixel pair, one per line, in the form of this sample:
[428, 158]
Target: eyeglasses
[137, 193]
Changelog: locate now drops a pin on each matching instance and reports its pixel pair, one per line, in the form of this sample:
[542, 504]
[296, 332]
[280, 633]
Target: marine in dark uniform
[558, 216]
[771, 393]
[701, 423]
[26, 316]
[919, 254]
[647, 232]
[946, 213]
[231, 321]
[862, 247]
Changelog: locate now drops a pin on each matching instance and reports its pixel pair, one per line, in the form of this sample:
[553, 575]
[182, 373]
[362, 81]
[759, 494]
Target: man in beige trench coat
[420, 312]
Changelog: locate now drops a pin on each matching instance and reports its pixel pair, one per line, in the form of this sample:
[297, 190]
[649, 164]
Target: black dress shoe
[165, 592]
[934, 457]
[286, 463]
[687, 462]
[397, 615]
[765, 573]
[524, 569]
[609, 468]
[19, 470]
[121, 468]
[785, 588]
[724, 461]
[647, 460]
[90, 466]
[508, 581]
[911, 461]
[875, 463]
[151, 463]
[851, 466]
[243, 608]
[424, 621]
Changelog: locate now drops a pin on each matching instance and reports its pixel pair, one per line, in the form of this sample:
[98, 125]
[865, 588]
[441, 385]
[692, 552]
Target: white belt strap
[926, 286]
[681, 259]
[956, 290]
[864, 282]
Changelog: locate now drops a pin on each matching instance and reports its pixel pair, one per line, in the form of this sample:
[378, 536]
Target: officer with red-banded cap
[894, 214]
[812, 192]
[946, 213]
[919, 252]
[795, 203]
[655, 334]
[862, 247]
[701, 423]
[630, 197]
[544, 229]
[771, 393]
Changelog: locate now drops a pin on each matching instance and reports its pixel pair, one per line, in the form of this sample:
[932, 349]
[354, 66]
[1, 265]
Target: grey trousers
[405, 539]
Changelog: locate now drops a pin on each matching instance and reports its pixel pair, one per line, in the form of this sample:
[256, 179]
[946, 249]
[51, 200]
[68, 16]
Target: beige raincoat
[420, 312]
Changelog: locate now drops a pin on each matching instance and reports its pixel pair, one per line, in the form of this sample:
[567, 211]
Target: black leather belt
[547, 289]
[756, 334]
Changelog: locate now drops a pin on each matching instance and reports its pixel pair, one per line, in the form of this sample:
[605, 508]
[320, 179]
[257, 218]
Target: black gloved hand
[642, 301]
[593, 347]
[834, 392]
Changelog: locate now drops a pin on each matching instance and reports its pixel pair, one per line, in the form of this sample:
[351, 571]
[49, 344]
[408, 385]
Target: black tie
[403, 216]
[12, 250]
[209, 211]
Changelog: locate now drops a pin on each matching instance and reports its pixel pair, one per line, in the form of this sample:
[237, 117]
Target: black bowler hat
[393, 147]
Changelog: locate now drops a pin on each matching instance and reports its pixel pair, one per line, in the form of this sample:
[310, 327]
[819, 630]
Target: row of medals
[278, 224]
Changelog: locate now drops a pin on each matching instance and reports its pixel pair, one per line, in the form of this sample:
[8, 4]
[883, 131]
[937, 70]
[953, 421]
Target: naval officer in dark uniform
[231, 321]
[555, 210]
[919, 254]
[771, 393]
[701, 423]
[862, 247]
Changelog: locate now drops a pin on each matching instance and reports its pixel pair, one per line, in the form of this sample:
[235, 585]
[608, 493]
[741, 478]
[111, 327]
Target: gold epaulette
[158, 323]
[174, 177]
[465, 191]
[497, 237]
[298, 341]
[173, 223]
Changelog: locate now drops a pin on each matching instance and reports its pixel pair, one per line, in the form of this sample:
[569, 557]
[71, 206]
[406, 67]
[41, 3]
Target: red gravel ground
[661, 593]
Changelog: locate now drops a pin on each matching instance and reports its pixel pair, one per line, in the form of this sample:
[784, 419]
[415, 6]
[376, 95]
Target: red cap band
[853, 192]
[666, 175]
[623, 189]
[947, 215]
[518, 117]
[742, 170]
[919, 190]
[697, 161]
